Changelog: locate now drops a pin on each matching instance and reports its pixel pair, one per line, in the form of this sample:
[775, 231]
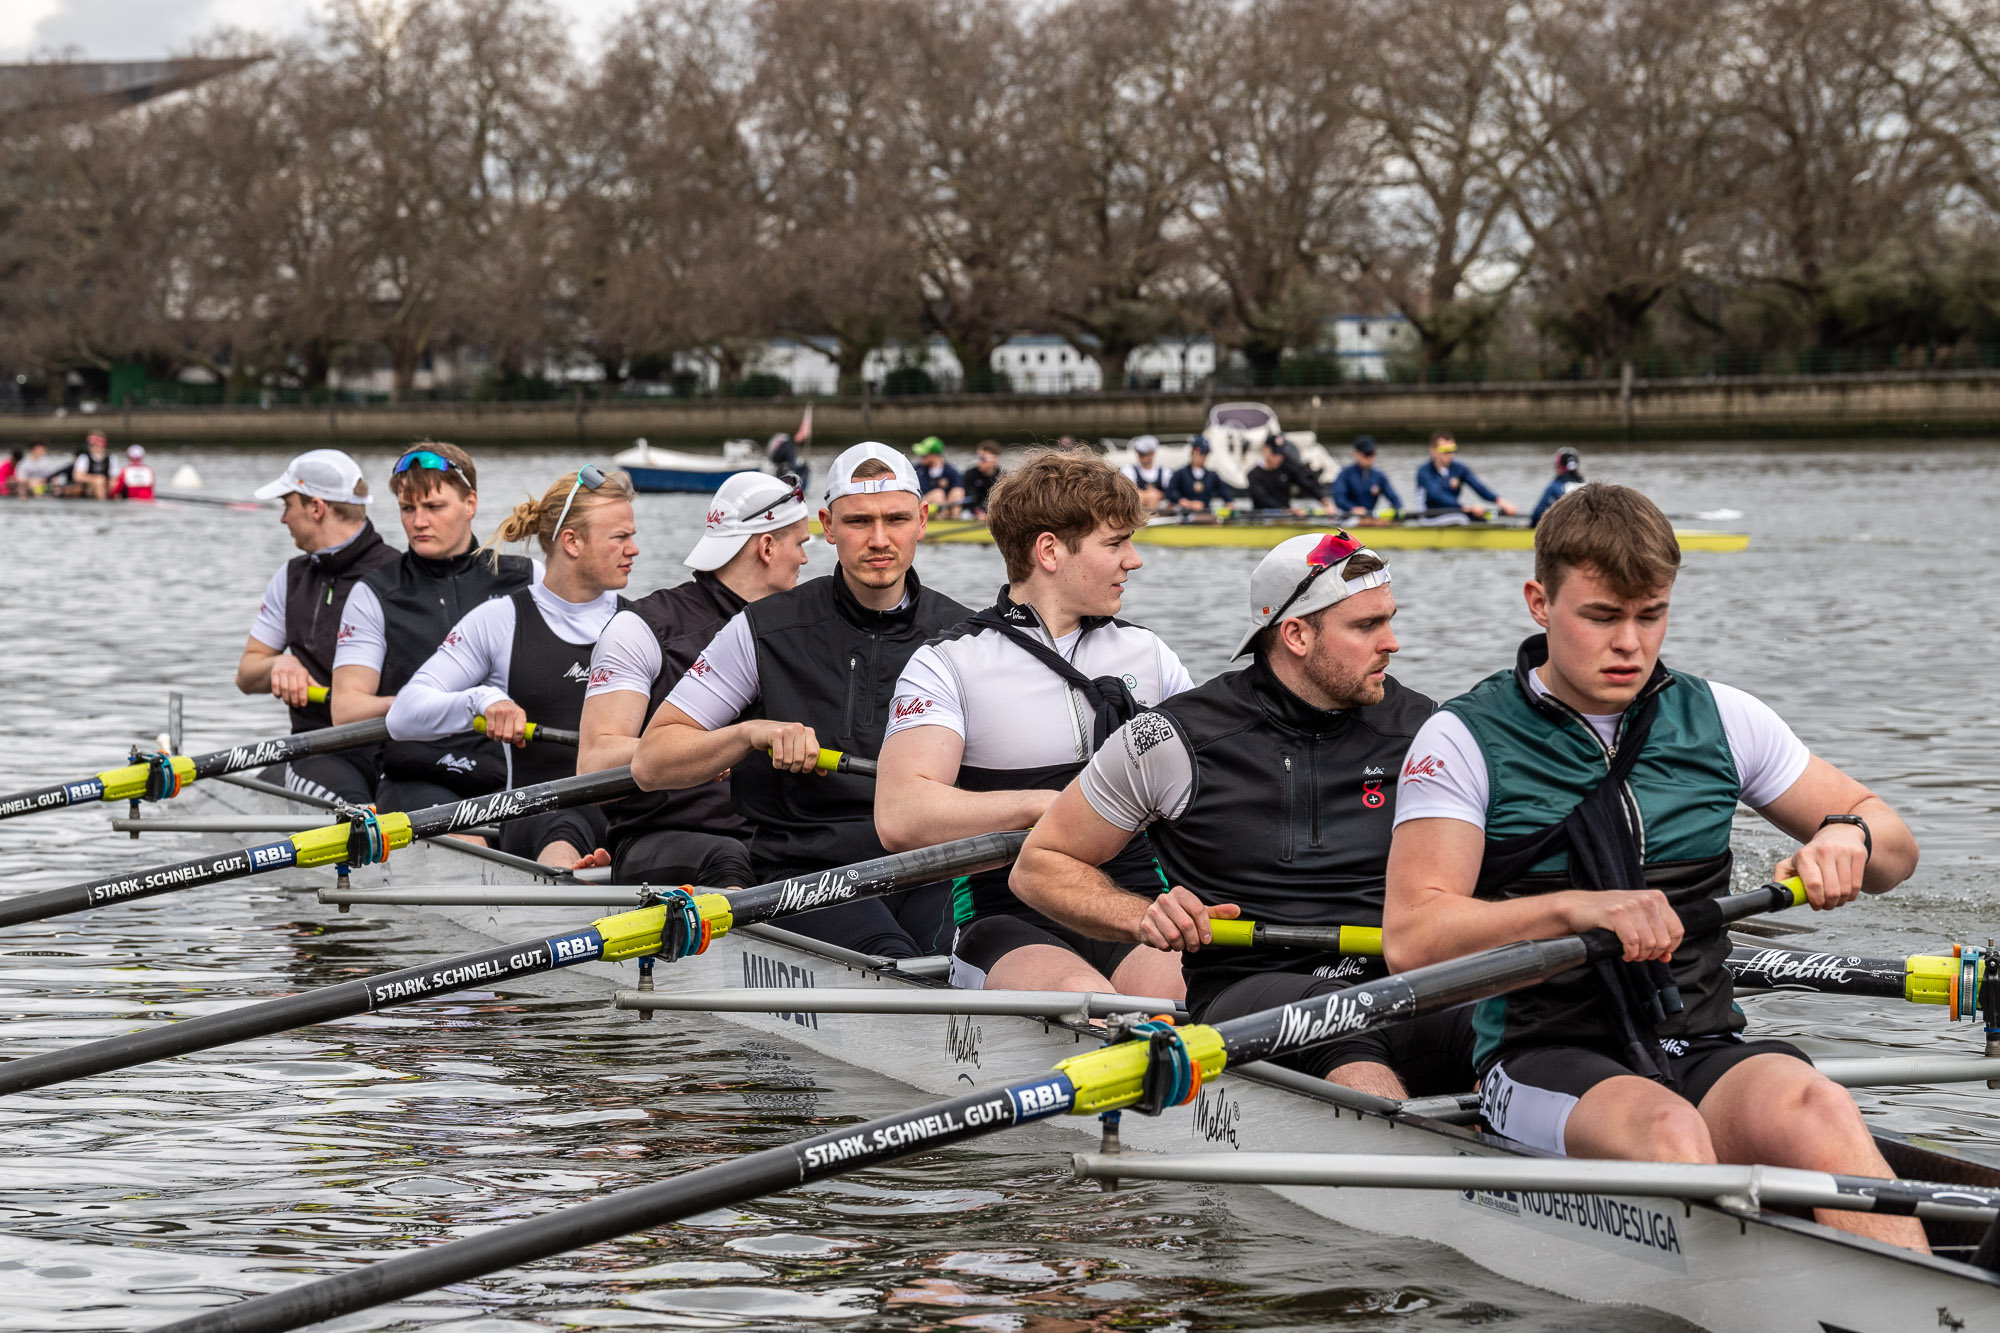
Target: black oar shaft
[506, 962]
[284, 749]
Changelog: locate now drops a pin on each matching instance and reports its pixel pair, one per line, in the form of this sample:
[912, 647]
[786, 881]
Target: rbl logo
[1416, 770]
[1371, 794]
[912, 708]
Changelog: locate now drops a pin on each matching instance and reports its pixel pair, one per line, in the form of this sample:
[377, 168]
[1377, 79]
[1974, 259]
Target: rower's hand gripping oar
[682, 923]
[537, 732]
[363, 839]
[1163, 1066]
[161, 776]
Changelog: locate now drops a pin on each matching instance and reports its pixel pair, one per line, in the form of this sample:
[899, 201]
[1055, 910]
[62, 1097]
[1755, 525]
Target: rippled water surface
[1863, 612]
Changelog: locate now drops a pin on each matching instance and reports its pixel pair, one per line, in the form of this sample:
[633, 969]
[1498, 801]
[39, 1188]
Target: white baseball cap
[135, 451]
[1278, 587]
[746, 504]
[324, 474]
[840, 481]
[1145, 444]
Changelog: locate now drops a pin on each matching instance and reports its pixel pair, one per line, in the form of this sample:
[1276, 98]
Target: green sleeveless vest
[1542, 758]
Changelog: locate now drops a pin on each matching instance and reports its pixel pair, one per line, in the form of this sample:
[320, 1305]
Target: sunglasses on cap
[429, 462]
[1332, 550]
[589, 475]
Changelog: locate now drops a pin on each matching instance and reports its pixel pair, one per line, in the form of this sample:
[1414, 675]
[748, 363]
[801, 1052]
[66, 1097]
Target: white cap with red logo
[747, 504]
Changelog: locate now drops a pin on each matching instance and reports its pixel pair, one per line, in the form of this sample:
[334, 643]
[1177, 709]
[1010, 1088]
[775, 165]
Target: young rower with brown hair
[818, 663]
[399, 613]
[753, 545]
[291, 645]
[1266, 793]
[995, 716]
[524, 657]
[1593, 787]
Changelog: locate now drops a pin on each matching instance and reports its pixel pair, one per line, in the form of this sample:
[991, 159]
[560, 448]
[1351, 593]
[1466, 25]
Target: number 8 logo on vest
[1371, 794]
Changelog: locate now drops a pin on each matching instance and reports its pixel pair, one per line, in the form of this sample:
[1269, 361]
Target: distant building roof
[85, 88]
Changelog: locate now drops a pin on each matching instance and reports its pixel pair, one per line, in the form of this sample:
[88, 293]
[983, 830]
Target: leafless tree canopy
[1591, 180]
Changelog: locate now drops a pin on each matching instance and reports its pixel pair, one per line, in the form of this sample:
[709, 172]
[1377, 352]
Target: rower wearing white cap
[1267, 793]
[291, 644]
[753, 544]
[1145, 472]
[818, 663]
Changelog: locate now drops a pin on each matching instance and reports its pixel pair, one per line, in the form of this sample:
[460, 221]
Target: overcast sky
[142, 29]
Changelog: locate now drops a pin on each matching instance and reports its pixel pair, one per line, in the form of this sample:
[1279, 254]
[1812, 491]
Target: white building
[1366, 344]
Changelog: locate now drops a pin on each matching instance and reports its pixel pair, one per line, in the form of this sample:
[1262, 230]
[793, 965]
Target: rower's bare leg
[1637, 1120]
[1045, 967]
[560, 855]
[1775, 1110]
[1154, 972]
[1368, 1076]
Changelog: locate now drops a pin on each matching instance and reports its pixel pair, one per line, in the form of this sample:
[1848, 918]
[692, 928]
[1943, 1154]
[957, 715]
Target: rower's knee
[1676, 1132]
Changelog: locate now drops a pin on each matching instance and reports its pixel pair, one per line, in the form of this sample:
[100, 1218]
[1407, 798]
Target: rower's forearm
[253, 674]
[1076, 894]
[349, 706]
[921, 812]
[599, 753]
[1895, 856]
[675, 757]
[1436, 925]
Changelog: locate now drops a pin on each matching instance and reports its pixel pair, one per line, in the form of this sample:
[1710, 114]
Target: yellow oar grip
[636, 934]
[1361, 940]
[1798, 888]
[1113, 1076]
[129, 783]
[479, 725]
[829, 760]
[1234, 934]
[328, 846]
[318, 694]
[1927, 978]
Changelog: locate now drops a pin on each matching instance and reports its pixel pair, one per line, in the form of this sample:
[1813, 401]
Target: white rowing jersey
[470, 671]
[364, 638]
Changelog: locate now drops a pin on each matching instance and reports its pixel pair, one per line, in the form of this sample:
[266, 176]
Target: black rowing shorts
[1432, 1055]
[1529, 1094]
[983, 942]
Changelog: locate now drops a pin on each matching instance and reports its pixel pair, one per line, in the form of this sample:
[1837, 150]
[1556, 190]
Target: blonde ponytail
[537, 518]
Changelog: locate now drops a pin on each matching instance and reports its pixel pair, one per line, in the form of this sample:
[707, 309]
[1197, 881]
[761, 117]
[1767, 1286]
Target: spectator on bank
[944, 489]
[980, 479]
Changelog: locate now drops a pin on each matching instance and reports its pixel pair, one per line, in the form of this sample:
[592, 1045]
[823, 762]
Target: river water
[1862, 612]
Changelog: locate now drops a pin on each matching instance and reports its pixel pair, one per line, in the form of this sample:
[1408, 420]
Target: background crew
[1442, 481]
[817, 663]
[753, 545]
[943, 487]
[1145, 472]
[1569, 476]
[400, 612]
[980, 478]
[1360, 489]
[1279, 477]
[994, 716]
[1194, 489]
[292, 642]
[524, 657]
[1267, 793]
[135, 480]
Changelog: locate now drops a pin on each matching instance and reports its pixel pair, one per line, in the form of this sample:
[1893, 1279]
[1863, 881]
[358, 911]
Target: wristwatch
[1867, 840]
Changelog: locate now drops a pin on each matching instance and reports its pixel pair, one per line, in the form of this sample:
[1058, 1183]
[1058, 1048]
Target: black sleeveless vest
[421, 600]
[316, 587]
[547, 675]
[1290, 815]
[683, 619]
[826, 660]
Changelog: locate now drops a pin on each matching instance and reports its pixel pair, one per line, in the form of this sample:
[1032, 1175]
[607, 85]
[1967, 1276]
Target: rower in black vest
[399, 613]
[291, 645]
[1266, 793]
[997, 714]
[524, 658]
[753, 545]
[817, 663]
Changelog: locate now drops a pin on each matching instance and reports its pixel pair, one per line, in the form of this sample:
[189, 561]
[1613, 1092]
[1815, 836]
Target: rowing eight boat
[1716, 1267]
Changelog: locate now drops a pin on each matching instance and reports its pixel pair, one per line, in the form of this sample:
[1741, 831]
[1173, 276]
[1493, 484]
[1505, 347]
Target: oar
[161, 776]
[682, 924]
[363, 839]
[1165, 1066]
[839, 761]
[1956, 982]
[537, 732]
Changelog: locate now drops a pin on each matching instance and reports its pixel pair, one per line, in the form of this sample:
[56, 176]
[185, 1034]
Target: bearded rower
[997, 714]
[523, 658]
[398, 614]
[1265, 793]
[817, 663]
[753, 545]
[291, 645]
[1591, 787]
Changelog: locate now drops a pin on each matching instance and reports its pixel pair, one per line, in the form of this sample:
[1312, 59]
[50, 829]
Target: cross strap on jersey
[1110, 698]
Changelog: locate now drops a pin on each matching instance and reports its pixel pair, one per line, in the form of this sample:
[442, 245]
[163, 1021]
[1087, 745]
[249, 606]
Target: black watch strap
[1867, 839]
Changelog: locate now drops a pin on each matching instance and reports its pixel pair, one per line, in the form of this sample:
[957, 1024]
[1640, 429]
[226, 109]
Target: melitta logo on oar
[832, 886]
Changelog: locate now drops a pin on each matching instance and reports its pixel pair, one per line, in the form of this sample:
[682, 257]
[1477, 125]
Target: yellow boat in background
[1259, 535]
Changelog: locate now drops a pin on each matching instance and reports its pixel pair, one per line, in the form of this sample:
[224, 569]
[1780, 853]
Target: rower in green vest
[1593, 787]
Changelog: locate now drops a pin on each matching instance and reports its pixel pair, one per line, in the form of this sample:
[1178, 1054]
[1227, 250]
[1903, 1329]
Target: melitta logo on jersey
[576, 673]
[346, 633]
[1416, 770]
[1347, 965]
[910, 705]
[832, 886]
[453, 639]
[601, 676]
[700, 667]
[457, 764]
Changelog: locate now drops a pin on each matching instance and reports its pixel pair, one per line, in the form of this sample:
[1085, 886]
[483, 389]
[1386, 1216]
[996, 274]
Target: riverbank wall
[1963, 404]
